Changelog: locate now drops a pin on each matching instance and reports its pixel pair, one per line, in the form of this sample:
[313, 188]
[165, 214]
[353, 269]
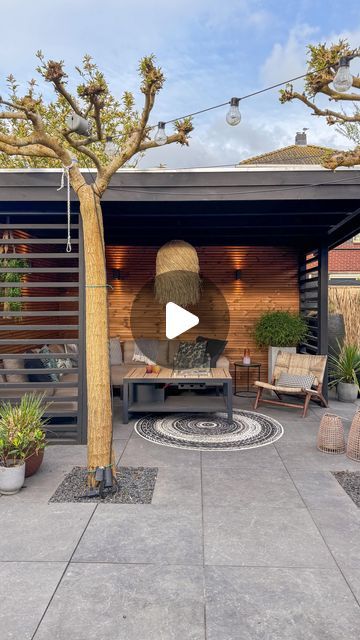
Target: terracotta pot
[33, 463]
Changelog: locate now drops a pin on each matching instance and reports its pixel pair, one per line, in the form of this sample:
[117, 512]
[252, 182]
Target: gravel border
[350, 482]
[135, 486]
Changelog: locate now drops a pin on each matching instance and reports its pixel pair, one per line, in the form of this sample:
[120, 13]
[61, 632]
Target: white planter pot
[347, 391]
[272, 355]
[12, 478]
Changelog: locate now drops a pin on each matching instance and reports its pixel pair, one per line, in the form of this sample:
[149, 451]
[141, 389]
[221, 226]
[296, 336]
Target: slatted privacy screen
[51, 314]
[313, 279]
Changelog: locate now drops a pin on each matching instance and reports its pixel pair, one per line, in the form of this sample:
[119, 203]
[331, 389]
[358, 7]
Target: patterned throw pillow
[290, 380]
[190, 355]
[52, 362]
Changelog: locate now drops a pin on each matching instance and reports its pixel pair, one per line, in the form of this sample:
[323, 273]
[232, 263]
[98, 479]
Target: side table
[246, 393]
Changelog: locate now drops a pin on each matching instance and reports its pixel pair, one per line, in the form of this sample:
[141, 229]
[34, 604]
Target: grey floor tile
[25, 590]
[41, 531]
[139, 452]
[263, 536]
[340, 527]
[262, 457]
[142, 534]
[178, 486]
[320, 489]
[306, 456]
[352, 575]
[239, 488]
[279, 604]
[119, 602]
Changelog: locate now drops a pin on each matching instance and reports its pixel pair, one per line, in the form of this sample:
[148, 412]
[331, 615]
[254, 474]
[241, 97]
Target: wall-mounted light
[117, 274]
[238, 274]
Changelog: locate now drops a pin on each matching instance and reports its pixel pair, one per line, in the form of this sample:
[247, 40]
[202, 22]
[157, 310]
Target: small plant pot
[347, 391]
[33, 463]
[12, 478]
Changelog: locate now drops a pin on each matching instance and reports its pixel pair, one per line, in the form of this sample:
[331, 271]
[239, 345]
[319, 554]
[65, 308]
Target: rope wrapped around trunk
[177, 274]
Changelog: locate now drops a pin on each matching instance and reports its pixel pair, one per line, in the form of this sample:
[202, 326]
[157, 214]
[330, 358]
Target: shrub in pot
[21, 438]
[345, 372]
[279, 331]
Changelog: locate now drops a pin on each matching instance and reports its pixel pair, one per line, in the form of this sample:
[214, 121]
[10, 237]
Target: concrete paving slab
[143, 534]
[25, 590]
[259, 536]
[281, 604]
[125, 602]
[142, 453]
[40, 532]
[238, 488]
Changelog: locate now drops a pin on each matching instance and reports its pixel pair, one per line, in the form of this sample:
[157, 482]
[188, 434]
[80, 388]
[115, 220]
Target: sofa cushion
[63, 392]
[15, 363]
[128, 351]
[173, 349]
[146, 350]
[116, 356]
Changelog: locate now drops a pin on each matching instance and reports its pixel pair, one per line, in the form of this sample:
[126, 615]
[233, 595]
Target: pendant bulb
[161, 137]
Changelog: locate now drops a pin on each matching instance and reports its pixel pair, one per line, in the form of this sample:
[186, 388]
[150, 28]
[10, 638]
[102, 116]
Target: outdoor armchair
[295, 364]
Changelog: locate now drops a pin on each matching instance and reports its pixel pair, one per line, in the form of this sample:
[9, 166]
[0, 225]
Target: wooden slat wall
[269, 281]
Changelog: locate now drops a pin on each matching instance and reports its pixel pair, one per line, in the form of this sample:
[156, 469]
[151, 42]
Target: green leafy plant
[21, 428]
[345, 367]
[280, 329]
[11, 276]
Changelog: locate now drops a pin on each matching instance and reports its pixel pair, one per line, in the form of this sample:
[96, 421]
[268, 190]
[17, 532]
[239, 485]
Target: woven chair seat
[274, 387]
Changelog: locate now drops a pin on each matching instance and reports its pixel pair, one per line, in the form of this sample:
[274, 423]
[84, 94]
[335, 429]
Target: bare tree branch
[12, 115]
[335, 116]
[78, 146]
[35, 150]
[181, 138]
[343, 159]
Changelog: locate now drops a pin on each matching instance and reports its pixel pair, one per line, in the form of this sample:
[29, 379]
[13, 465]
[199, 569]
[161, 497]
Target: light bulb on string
[343, 78]
[233, 116]
[110, 147]
[161, 137]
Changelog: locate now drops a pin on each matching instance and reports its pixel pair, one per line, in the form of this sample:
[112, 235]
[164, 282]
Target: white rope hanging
[65, 174]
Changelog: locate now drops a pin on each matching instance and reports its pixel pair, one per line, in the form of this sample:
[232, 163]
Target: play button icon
[178, 320]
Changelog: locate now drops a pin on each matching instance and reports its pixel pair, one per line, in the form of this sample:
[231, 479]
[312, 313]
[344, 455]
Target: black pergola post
[323, 305]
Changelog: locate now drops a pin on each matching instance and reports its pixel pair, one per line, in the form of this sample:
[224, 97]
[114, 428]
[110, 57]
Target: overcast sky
[210, 50]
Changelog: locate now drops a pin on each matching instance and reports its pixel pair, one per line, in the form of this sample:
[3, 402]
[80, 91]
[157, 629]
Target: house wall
[269, 281]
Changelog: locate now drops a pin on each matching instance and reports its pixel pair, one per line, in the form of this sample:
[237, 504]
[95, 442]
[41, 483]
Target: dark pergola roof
[282, 206]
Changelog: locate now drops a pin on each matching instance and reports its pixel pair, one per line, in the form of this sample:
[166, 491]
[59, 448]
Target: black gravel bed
[135, 486]
[350, 482]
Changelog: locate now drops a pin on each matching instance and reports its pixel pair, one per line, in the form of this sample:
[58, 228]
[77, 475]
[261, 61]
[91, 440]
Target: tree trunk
[97, 333]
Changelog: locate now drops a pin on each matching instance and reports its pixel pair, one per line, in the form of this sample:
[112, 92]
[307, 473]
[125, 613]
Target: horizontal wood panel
[269, 280]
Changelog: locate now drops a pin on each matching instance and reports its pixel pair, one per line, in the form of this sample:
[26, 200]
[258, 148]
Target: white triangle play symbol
[178, 320]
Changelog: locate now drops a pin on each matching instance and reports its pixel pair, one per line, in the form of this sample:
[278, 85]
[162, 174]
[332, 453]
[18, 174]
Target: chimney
[300, 138]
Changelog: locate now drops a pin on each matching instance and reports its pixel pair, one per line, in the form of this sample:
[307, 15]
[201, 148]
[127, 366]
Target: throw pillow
[115, 351]
[214, 348]
[37, 377]
[190, 355]
[14, 363]
[146, 346]
[292, 380]
[50, 362]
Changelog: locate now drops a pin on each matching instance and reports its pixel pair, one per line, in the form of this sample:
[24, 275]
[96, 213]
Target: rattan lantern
[331, 434]
[177, 274]
[353, 445]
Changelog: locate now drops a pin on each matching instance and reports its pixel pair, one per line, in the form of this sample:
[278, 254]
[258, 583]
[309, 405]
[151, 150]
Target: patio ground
[245, 545]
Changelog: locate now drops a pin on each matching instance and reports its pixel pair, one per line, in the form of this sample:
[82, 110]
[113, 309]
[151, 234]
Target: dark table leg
[229, 394]
[125, 402]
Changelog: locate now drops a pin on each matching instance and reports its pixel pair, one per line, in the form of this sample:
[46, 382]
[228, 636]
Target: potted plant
[21, 439]
[279, 331]
[345, 372]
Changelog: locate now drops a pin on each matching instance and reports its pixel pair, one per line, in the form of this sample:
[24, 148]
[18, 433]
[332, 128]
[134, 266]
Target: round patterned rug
[210, 432]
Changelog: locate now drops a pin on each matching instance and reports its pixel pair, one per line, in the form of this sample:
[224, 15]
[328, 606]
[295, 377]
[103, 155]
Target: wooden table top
[138, 374]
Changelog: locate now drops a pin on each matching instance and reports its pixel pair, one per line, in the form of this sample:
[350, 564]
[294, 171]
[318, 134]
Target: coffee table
[144, 392]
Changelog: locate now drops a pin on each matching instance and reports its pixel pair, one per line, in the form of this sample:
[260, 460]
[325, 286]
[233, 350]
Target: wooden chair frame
[315, 393]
